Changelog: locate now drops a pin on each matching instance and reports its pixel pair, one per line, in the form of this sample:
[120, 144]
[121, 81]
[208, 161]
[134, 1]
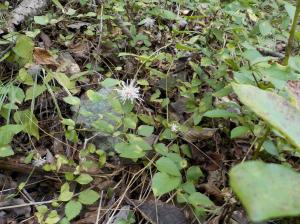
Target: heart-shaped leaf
[163, 183]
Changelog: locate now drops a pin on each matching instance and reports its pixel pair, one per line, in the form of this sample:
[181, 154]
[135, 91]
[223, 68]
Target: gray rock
[90, 111]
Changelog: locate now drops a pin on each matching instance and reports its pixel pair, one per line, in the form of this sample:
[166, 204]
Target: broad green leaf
[167, 14]
[166, 165]
[24, 77]
[163, 183]
[239, 131]
[199, 199]
[72, 100]
[193, 174]
[290, 9]
[84, 179]
[274, 109]
[16, 94]
[168, 134]
[72, 209]
[42, 20]
[88, 197]
[265, 28]
[129, 150]
[271, 148]
[103, 126]
[130, 121]
[109, 82]
[24, 47]
[146, 119]
[219, 113]
[161, 148]
[64, 221]
[34, 91]
[145, 130]
[29, 122]
[6, 151]
[64, 80]
[94, 96]
[267, 191]
[65, 193]
[52, 218]
[7, 132]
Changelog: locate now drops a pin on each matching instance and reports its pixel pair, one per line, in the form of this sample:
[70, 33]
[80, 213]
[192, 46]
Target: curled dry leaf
[43, 57]
[67, 64]
[197, 133]
[80, 49]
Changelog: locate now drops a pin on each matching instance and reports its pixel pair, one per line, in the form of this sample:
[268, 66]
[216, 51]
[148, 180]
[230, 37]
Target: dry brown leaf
[46, 40]
[197, 133]
[43, 57]
[80, 49]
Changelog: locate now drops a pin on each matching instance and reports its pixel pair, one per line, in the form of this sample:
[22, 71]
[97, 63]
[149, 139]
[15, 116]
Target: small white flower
[39, 162]
[149, 22]
[129, 91]
[174, 127]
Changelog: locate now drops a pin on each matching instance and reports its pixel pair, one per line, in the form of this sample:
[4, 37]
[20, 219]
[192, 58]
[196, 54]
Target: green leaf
[161, 148]
[72, 100]
[271, 148]
[274, 109]
[65, 193]
[29, 122]
[267, 191]
[103, 126]
[130, 150]
[290, 9]
[16, 94]
[84, 179]
[109, 82]
[41, 20]
[219, 113]
[163, 183]
[72, 209]
[166, 165]
[6, 151]
[199, 199]
[64, 80]
[7, 132]
[167, 14]
[168, 134]
[193, 174]
[239, 131]
[34, 91]
[145, 130]
[265, 28]
[52, 218]
[88, 197]
[94, 96]
[24, 77]
[130, 121]
[24, 47]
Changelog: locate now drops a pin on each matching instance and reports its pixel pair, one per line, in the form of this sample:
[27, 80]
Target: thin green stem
[289, 46]
[261, 142]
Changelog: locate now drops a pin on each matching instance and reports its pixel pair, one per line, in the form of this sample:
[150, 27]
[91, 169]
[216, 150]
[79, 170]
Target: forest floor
[121, 112]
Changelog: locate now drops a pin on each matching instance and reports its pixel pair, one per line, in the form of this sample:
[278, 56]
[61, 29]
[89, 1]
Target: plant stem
[289, 46]
[261, 142]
